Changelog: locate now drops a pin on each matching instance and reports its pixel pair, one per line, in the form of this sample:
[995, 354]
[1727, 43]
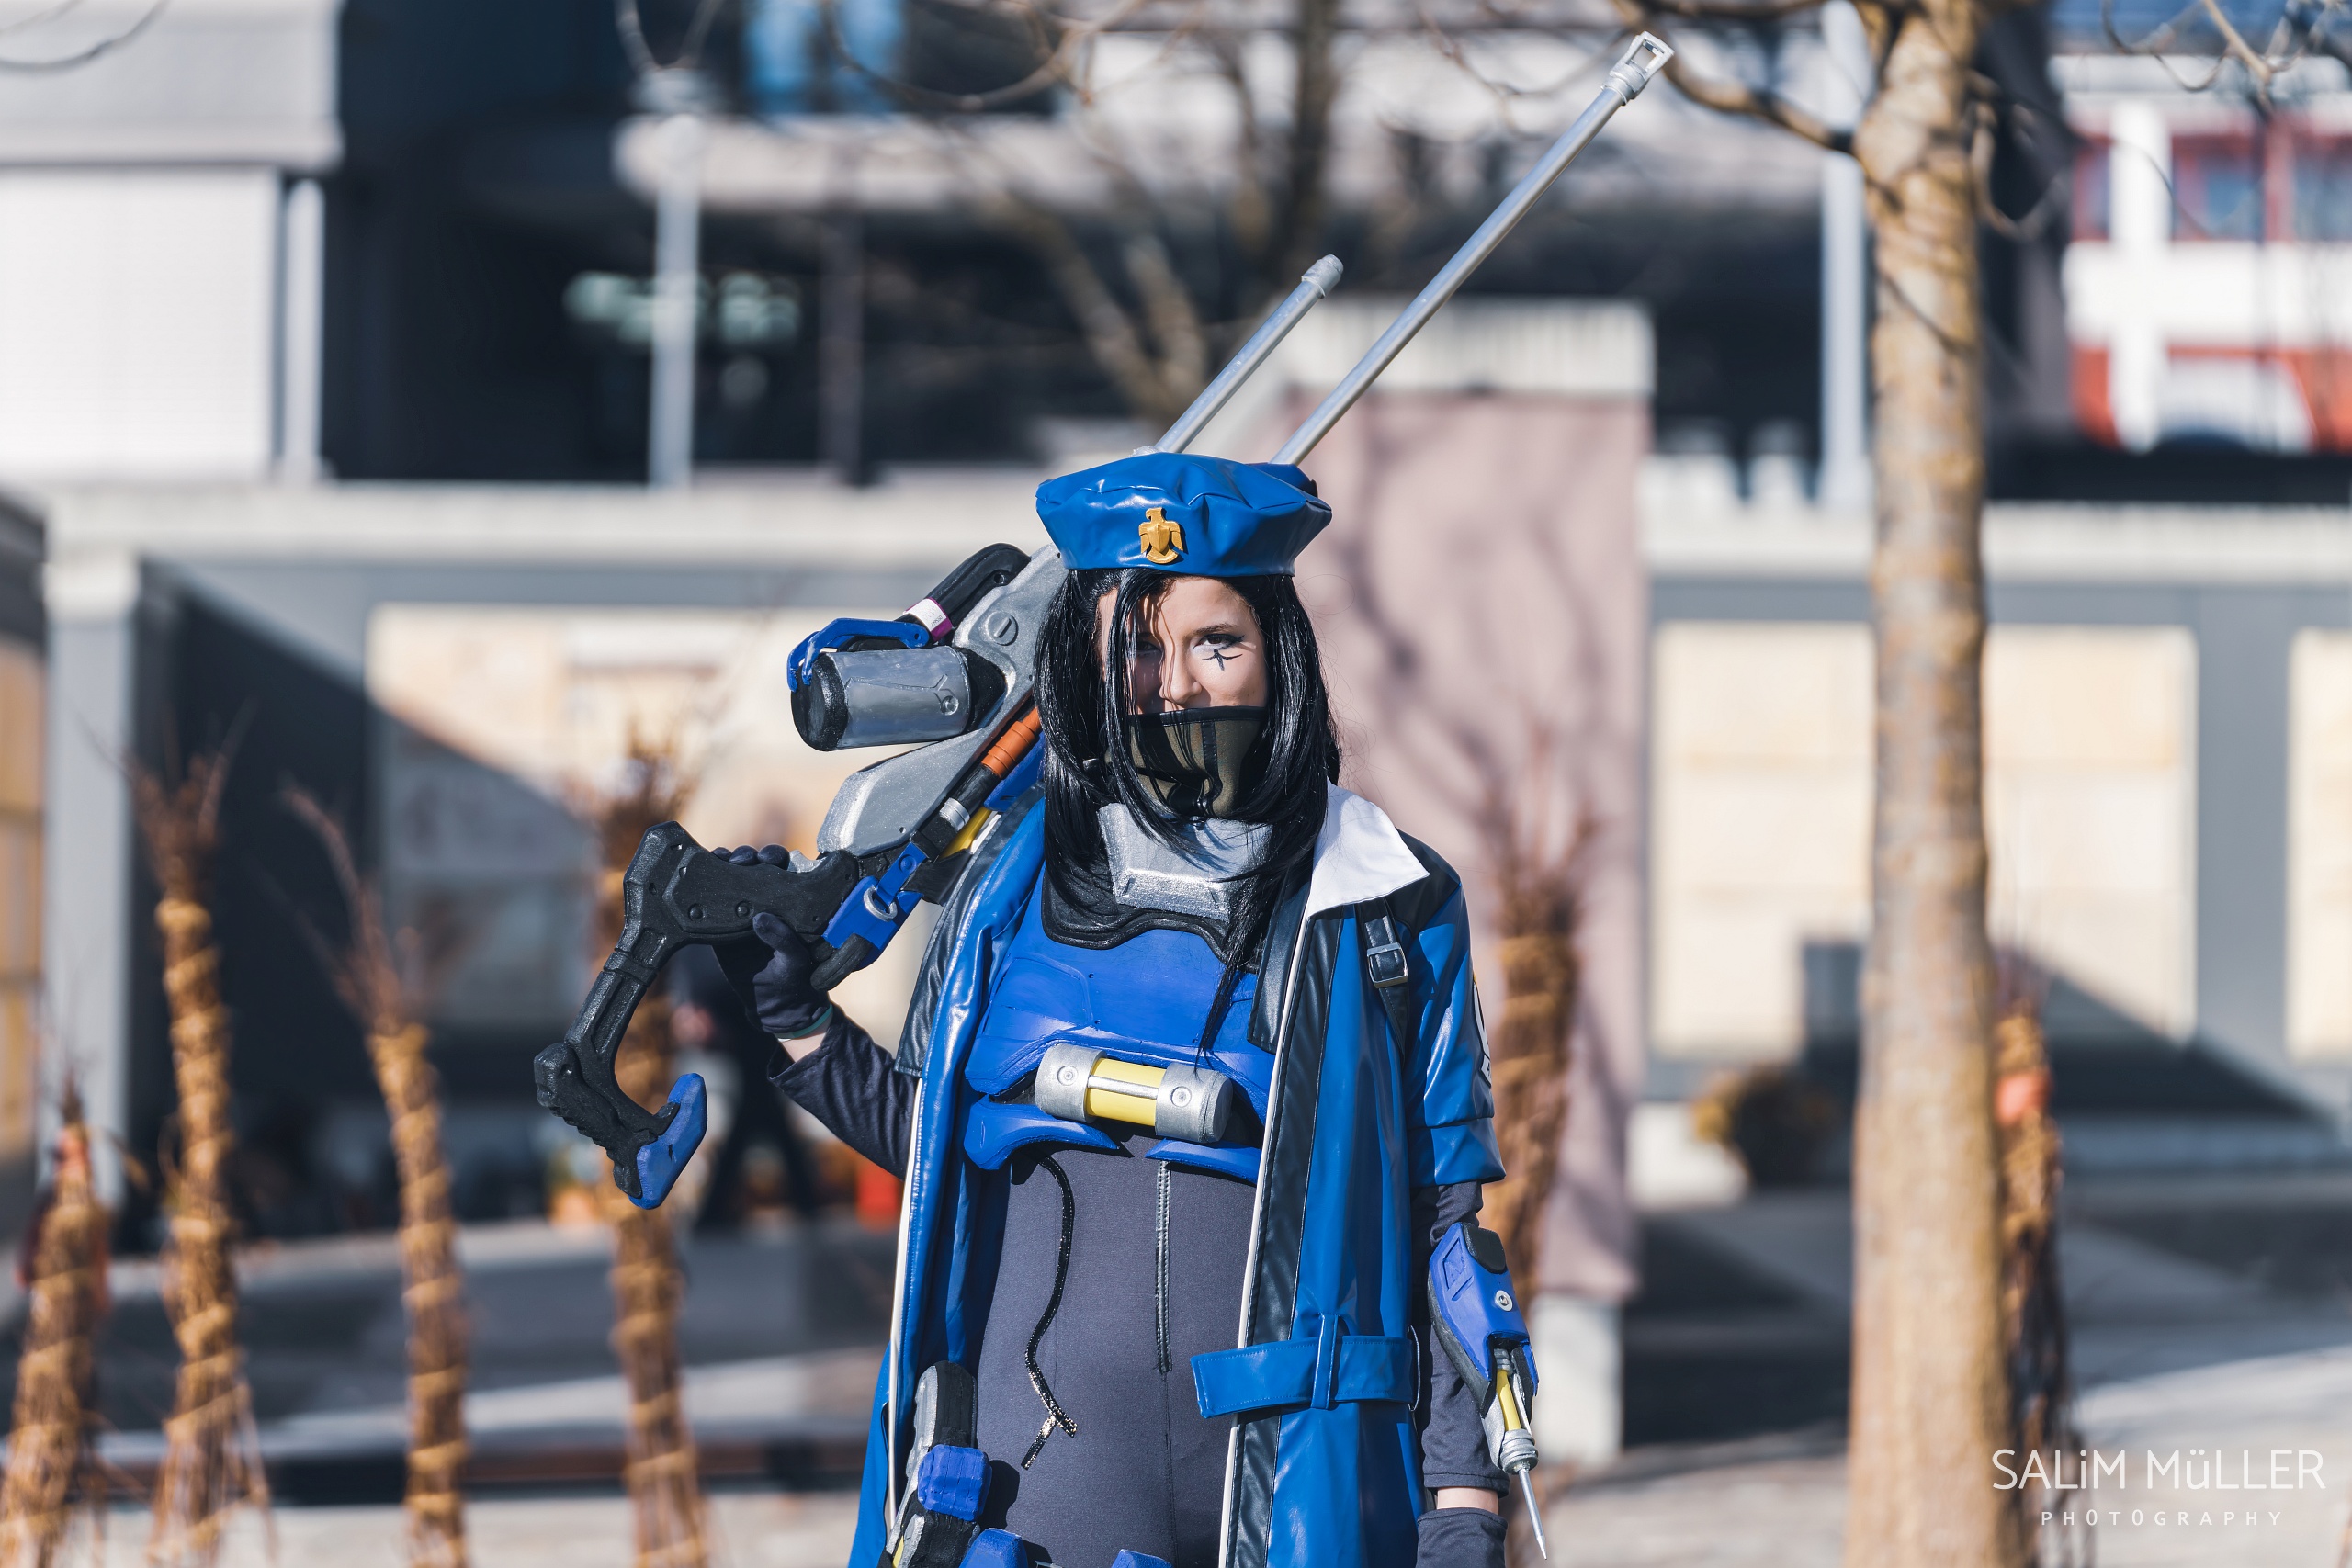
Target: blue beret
[1200, 516]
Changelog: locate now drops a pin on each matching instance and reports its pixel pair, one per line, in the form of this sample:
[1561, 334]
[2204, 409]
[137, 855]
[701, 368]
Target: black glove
[771, 969]
[1461, 1538]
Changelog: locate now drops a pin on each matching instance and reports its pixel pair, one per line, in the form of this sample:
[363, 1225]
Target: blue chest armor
[1145, 1000]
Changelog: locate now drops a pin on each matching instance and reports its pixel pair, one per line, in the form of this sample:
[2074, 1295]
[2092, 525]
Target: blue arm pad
[1449, 1126]
[659, 1162]
[1463, 1151]
[996, 1548]
[953, 1480]
[1472, 1303]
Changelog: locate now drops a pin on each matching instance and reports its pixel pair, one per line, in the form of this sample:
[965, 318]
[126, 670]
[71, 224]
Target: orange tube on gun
[1013, 744]
[961, 816]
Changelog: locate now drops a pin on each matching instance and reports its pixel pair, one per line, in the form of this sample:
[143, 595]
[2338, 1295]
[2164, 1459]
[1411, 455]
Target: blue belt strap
[1322, 1367]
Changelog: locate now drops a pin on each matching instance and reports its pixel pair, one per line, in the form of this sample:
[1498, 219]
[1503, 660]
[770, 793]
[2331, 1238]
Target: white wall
[1760, 774]
[137, 322]
[2319, 846]
[206, 82]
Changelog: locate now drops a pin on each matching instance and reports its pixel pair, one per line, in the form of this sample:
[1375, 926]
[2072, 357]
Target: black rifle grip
[677, 894]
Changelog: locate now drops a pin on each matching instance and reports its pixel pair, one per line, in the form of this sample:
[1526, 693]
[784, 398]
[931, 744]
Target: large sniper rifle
[954, 677]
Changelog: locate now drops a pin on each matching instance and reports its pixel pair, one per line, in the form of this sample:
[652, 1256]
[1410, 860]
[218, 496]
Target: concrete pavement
[2210, 1318]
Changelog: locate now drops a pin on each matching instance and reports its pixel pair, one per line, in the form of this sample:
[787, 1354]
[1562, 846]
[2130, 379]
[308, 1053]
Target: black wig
[1088, 765]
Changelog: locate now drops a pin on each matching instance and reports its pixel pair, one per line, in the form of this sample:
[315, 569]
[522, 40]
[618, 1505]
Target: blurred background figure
[762, 1165]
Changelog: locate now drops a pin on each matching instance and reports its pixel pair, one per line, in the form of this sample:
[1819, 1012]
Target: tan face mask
[1195, 760]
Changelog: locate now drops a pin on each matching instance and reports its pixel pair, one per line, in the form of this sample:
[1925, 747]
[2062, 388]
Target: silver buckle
[1384, 958]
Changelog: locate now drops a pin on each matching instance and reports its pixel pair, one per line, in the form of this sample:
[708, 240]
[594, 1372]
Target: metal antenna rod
[1534, 1511]
[1318, 282]
[1642, 59]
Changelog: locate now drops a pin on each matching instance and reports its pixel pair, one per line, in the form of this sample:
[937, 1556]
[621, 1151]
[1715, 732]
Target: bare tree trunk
[211, 1460]
[49, 1441]
[369, 975]
[1930, 1397]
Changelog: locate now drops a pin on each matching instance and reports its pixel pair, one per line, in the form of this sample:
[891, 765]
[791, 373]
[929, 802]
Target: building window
[2323, 191]
[2217, 189]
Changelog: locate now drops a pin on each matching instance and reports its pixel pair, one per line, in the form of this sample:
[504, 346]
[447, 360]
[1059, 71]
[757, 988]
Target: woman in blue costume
[1204, 1352]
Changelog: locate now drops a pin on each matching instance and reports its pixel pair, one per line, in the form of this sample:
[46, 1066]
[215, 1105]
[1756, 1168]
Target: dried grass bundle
[49, 1450]
[212, 1458]
[1537, 896]
[2033, 1305]
[664, 1486]
[1530, 1049]
[381, 992]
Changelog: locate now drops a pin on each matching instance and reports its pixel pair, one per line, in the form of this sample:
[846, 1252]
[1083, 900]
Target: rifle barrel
[1642, 59]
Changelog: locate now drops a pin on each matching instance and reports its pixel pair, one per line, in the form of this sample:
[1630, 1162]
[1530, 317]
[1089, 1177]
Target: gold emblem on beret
[1162, 539]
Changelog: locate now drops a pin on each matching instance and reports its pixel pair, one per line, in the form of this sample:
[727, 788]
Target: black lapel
[1274, 960]
[1282, 1180]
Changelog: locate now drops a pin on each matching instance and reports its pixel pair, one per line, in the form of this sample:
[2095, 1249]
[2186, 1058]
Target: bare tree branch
[1732, 10]
[2235, 46]
[1248, 211]
[1981, 148]
[1297, 231]
[1117, 347]
[1066, 39]
[1175, 324]
[1735, 97]
[631, 26]
[79, 57]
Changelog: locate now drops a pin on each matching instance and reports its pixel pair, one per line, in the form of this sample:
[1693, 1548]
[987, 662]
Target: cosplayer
[1191, 1101]
[1187, 889]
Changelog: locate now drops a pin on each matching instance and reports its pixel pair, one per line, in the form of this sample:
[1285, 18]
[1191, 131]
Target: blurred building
[323, 393]
[2208, 287]
[2167, 794]
[294, 290]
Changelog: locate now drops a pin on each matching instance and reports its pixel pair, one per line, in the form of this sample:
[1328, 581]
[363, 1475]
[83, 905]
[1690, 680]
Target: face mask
[1194, 761]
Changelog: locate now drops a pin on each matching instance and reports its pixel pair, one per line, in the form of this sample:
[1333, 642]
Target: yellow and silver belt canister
[1079, 1083]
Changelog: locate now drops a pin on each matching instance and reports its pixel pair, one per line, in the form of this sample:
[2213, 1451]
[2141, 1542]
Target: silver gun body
[879, 806]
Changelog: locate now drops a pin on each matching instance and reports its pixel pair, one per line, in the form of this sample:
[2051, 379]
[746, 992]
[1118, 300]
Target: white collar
[1359, 855]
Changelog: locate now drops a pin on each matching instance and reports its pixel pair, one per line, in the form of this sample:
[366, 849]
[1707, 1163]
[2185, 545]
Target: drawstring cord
[1055, 1415]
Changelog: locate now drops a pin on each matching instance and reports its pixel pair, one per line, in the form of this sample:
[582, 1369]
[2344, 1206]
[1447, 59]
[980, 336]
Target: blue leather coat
[1323, 1470]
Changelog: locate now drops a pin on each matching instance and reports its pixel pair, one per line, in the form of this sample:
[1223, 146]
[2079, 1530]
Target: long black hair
[1088, 765]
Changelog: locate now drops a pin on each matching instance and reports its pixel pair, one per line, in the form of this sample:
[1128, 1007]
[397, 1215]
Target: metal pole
[1642, 59]
[677, 272]
[301, 294]
[1316, 284]
[1844, 484]
[841, 354]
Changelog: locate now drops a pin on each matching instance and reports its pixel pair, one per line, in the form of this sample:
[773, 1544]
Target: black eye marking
[1222, 646]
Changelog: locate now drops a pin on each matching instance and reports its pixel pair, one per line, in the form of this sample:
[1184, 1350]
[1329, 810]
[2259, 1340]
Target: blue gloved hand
[1459, 1538]
[771, 969]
